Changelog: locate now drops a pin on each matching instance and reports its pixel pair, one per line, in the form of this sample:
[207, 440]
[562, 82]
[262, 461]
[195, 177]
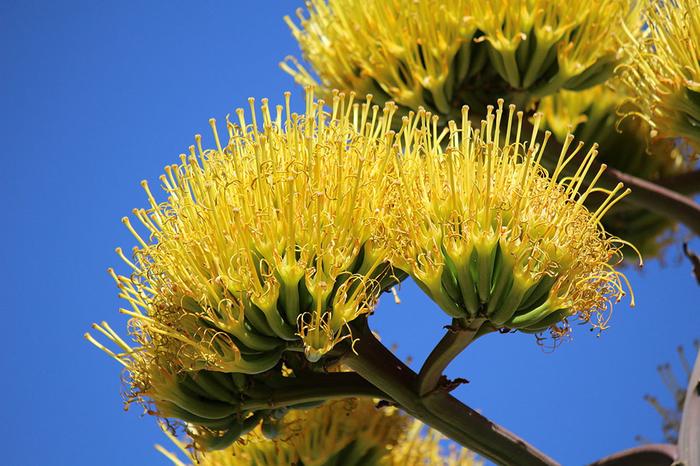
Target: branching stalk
[656, 198]
[459, 335]
[685, 183]
[312, 387]
[373, 361]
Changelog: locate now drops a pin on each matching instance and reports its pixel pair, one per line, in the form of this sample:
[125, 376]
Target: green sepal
[532, 317]
[486, 250]
[171, 410]
[234, 431]
[462, 265]
[504, 312]
[503, 281]
[537, 294]
[213, 387]
[547, 322]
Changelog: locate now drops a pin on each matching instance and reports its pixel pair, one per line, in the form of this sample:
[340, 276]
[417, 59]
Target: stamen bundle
[663, 69]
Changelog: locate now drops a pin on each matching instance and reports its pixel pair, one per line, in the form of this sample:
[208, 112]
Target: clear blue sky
[96, 96]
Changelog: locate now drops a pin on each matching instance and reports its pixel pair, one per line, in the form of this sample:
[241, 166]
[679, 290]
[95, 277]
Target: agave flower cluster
[269, 247]
[440, 55]
[346, 432]
[663, 73]
[490, 235]
[268, 243]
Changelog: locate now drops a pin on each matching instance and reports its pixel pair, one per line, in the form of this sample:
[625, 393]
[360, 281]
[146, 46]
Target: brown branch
[652, 196]
[645, 455]
[685, 183]
[373, 361]
[656, 198]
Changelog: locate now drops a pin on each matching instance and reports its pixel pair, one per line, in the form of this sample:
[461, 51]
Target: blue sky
[96, 96]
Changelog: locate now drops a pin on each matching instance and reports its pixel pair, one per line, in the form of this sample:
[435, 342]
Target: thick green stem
[459, 335]
[439, 409]
[312, 387]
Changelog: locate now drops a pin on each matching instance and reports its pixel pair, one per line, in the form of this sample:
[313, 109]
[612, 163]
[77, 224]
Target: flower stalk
[459, 335]
[316, 388]
[683, 183]
[372, 360]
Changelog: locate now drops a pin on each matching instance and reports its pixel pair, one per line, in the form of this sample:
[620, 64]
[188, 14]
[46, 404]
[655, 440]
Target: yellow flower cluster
[442, 54]
[268, 243]
[350, 432]
[490, 235]
[210, 402]
[267, 248]
[663, 70]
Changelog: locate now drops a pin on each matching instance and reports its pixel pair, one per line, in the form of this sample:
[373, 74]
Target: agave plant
[505, 156]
